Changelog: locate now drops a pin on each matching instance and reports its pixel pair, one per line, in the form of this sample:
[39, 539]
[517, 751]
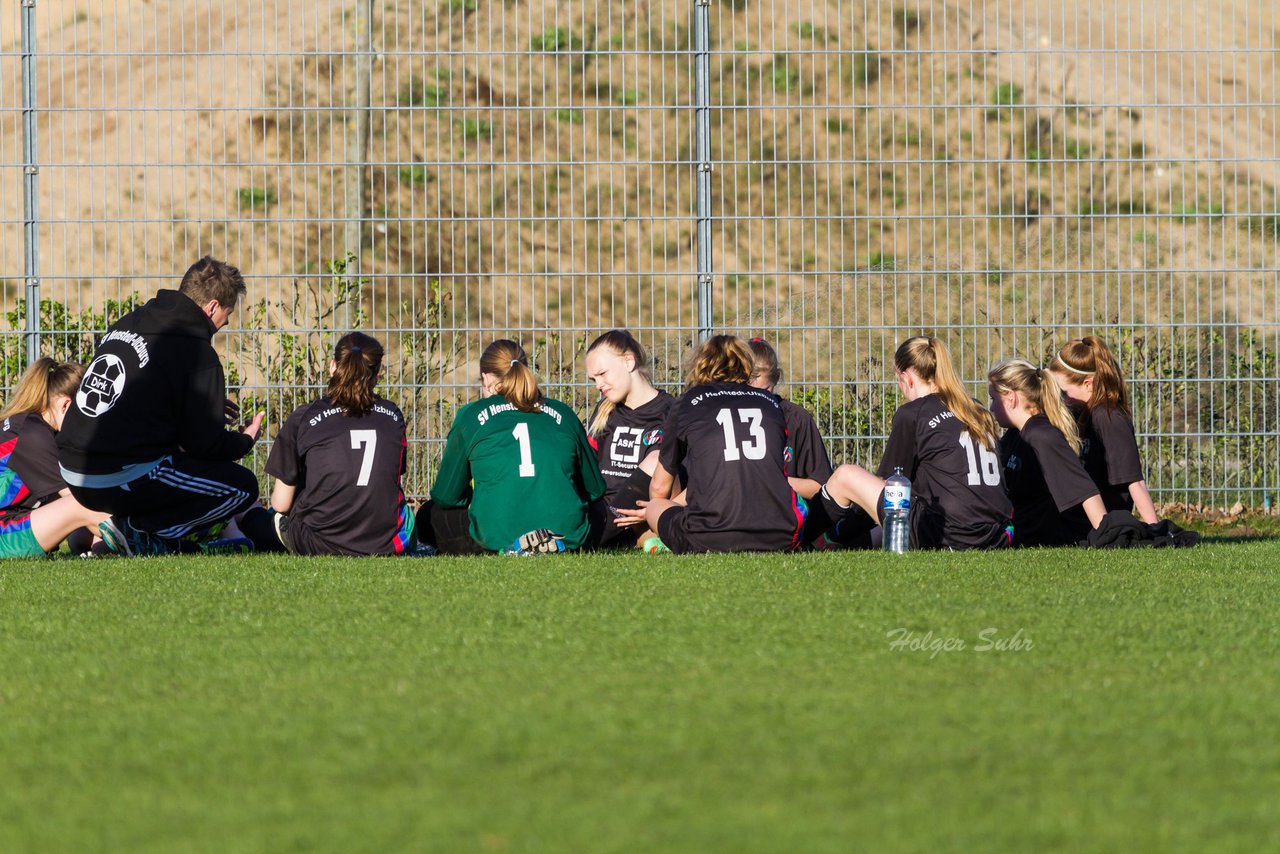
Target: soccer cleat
[281, 523]
[654, 546]
[538, 542]
[124, 539]
[227, 546]
[422, 550]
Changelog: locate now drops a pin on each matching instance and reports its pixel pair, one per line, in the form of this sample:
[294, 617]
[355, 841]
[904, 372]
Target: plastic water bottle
[897, 509]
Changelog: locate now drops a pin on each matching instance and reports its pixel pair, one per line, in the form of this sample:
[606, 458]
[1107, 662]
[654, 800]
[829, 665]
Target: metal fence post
[30, 171]
[702, 158]
[357, 154]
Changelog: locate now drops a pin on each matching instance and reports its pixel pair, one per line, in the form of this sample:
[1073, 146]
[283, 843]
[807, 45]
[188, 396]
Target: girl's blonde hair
[1090, 357]
[930, 358]
[621, 342]
[517, 382]
[766, 361]
[720, 359]
[1042, 392]
[43, 381]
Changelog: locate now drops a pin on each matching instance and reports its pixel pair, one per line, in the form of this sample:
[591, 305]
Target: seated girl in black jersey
[808, 465]
[1055, 503]
[517, 473]
[727, 441]
[37, 511]
[1089, 376]
[625, 431]
[338, 462]
[944, 441]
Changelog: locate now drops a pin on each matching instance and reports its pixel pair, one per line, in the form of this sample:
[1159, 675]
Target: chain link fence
[833, 176]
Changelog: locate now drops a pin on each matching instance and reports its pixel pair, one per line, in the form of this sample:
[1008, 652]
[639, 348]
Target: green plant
[866, 67]
[256, 197]
[576, 117]
[556, 40]
[906, 21]
[475, 129]
[417, 93]
[415, 175]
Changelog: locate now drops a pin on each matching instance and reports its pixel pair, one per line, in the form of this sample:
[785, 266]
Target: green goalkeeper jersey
[519, 471]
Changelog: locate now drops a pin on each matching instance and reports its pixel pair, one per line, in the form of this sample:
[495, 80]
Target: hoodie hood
[171, 313]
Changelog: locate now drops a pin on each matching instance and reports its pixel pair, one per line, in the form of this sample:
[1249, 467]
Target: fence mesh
[1007, 175]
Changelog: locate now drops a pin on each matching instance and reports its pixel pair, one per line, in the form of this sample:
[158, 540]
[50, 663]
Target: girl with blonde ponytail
[338, 463]
[625, 432]
[1055, 502]
[1089, 376]
[945, 443]
[517, 473]
[39, 511]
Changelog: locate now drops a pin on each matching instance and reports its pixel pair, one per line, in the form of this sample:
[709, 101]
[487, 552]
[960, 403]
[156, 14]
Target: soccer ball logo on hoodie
[101, 386]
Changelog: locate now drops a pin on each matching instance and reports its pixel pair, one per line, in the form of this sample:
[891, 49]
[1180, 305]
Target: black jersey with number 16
[958, 499]
[347, 474]
[730, 440]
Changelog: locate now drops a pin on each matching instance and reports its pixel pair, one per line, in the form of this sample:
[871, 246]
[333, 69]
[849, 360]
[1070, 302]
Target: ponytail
[40, 384]
[720, 359]
[930, 358]
[1041, 390]
[357, 360]
[517, 382]
[1090, 357]
[621, 342]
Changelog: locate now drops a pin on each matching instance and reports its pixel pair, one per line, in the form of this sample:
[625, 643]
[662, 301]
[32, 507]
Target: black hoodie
[155, 386]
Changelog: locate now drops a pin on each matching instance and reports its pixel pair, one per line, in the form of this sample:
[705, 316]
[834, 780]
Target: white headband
[1073, 370]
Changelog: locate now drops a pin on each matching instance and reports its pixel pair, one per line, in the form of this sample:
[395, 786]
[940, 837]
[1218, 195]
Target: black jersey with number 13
[731, 439]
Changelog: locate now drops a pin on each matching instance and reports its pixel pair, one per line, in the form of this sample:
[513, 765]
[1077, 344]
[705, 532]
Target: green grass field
[624, 703]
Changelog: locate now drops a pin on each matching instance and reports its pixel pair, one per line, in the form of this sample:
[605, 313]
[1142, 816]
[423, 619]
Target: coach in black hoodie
[145, 438]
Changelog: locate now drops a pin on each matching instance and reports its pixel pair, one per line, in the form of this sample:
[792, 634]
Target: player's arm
[282, 495]
[452, 486]
[662, 484]
[1142, 502]
[1094, 509]
[805, 487]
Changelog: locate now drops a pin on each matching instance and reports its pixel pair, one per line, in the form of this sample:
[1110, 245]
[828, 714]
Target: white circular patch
[101, 386]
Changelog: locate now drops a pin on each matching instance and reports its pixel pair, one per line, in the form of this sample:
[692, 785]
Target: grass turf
[620, 703]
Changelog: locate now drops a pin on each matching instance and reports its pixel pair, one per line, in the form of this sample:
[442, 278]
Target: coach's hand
[254, 426]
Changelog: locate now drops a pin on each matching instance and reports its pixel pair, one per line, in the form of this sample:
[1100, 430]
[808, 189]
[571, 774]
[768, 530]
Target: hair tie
[354, 348]
[514, 362]
[1073, 370]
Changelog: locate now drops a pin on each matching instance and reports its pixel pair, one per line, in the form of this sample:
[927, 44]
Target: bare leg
[656, 508]
[851, 484]
[54, 522]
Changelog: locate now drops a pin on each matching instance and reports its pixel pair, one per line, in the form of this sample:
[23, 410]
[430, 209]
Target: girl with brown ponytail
[1055, 502]
[1089, 376]
[338, 463]
[945, 443]
[517, 473]
[38, 512]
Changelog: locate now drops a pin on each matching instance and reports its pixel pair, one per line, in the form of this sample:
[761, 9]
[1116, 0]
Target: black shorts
[929, 530]
[671, 530]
